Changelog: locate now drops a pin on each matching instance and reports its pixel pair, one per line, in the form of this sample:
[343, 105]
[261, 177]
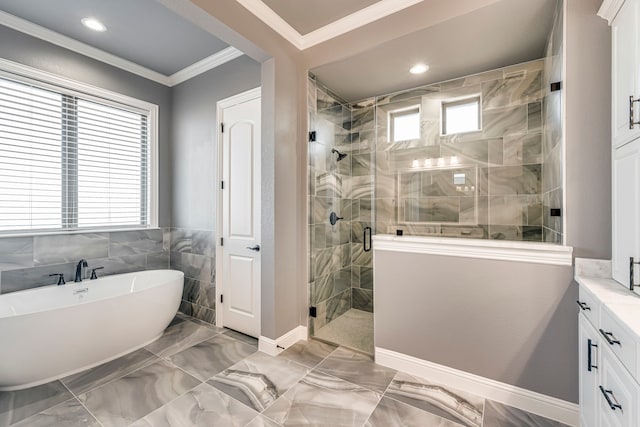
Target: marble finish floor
[200, 375]
[354, 329]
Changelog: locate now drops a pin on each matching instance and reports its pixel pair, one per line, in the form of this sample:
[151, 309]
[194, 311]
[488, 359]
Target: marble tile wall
[552, 135]
[193, 253]
[486, 184]
[26, 262]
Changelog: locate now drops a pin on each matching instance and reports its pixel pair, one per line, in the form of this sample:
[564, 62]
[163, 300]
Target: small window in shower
[460, 116]
[404, 124]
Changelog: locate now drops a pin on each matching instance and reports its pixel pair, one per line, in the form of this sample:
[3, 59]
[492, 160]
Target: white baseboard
[275, 347]
[537, 403]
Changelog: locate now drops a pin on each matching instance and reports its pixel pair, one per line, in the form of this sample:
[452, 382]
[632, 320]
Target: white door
[239, 278]
[626, 211]
[588, 364]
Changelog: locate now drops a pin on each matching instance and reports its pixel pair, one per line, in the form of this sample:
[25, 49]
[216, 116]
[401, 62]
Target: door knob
[255, 248]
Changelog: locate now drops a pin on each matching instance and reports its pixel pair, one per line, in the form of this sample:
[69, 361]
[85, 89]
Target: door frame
[220, 106]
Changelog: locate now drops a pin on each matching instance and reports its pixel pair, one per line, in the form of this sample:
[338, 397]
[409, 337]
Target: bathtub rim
[84, 283]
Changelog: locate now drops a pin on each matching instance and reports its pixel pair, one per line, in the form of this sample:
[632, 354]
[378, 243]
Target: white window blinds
[68, 162]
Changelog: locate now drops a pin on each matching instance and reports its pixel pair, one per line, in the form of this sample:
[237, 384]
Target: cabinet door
[626, 173]
[624, 36]
[588, 363]
[619, 393]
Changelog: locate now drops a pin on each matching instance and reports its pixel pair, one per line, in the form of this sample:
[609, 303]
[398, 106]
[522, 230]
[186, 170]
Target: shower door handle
[366, 240]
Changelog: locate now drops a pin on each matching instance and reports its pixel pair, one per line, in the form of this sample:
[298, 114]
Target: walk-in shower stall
[476, 157]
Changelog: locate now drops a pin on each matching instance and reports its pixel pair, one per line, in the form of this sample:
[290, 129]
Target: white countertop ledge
[530, 252]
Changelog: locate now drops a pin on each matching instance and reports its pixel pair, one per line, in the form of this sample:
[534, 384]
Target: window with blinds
[70, 162]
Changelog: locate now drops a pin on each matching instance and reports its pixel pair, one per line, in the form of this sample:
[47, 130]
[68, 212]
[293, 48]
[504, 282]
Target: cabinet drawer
[618, 394]
[589, 306]
[618, 340]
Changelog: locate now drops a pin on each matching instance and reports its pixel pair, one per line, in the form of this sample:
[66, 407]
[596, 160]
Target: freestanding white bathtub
[54, 331]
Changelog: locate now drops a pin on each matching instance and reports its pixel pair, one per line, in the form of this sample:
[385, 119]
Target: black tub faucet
[81, 264]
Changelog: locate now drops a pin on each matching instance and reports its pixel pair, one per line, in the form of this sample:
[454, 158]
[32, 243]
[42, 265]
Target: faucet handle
[60, 278]
[93, 273]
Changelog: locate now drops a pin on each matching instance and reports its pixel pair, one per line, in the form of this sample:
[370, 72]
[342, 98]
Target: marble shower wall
[552, 135]
[486, 184]
[26, 262]
[193, 253]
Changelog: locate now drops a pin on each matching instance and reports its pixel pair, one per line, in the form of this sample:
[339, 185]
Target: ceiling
[146, 38]
[143, 32]
[307, 16]
[505, 33]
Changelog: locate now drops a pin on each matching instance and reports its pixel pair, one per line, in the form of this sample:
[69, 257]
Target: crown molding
[273, 20]
[609, 9]
[204, 65]
[356, 20]
[58, 39]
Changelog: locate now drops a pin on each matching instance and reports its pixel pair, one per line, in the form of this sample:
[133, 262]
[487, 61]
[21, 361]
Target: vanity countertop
[614, 297]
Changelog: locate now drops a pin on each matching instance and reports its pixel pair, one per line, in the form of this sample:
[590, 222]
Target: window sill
[530, 252]
[86, 231]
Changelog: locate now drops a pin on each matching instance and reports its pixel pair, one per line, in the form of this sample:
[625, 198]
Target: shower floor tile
[353, 329]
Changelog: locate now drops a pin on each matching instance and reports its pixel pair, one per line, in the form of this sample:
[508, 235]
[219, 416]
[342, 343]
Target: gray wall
[520, 331]
[588, 130]
[27, 50]
[194, 178]
[194, 154]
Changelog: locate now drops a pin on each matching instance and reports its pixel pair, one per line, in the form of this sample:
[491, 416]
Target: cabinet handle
[590, 364]
[632, 122]
[606, 394]
[583, 305]
[611, 339]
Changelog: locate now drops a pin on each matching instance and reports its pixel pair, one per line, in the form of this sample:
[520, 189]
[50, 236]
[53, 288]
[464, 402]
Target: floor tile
[18, 405]
[211, 357]
[180, 337]
[261, 421]
[390, 412]
[92, 378]
[321, 399]
[308, 353]
[499, 415]
[259, 380]
[455, 405]
[202, 406]
[358, 369]
[132, 397]
[68, 414]
[241, 337]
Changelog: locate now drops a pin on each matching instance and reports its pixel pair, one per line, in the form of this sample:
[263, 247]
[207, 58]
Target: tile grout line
[81, 403]
[117, 378]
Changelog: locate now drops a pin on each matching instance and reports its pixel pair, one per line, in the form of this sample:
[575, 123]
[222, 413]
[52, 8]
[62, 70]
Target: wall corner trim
[609, 9]
[537, 403]
[204, 65]
[277, 346]
[529, 252]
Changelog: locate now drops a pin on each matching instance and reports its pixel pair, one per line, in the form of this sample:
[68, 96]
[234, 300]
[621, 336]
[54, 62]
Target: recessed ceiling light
[94, 24]
[419, 69]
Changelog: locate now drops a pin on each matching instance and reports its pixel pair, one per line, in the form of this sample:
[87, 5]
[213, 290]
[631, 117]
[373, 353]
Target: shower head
[340, 155]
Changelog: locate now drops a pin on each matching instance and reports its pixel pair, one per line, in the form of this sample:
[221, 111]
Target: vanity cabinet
[626, 213]
[625, 67]
[624, 18]
[608, 353]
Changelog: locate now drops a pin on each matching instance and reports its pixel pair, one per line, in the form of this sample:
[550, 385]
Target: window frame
[404, 111]
[69, 87]
[456, 102]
